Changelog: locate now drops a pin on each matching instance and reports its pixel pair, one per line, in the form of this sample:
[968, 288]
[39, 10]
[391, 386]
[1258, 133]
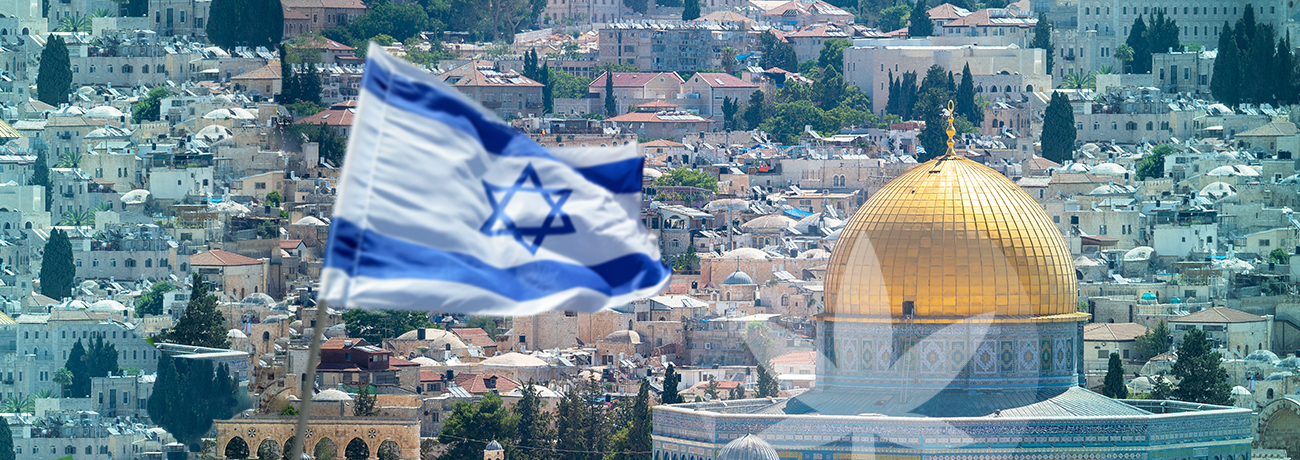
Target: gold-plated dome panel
[957, 240]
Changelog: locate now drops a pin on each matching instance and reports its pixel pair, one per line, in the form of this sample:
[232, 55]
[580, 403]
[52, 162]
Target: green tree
[1080, 81]
[1260, 58]
[786, 125]
[758, 340]
[729, 109]
[637, 6]
[1160, 388]
[1284, 71]
[333, 146]
[364, 405]
[894, 17]
[1226, 85]
[151, 302]
[41, 176]
[778, 53]
[611, 106]
[829, 89]
[1124, 54]
[1138, 40]
[487, 323]
[101, 359]
[57, 270]
[965, 99]
[1200, 372]
[736, 392]
[567, 85]
[754, 112]
[692, 10]
[919, 25]
[633, 442]
[172, 404]
[1153, 165]
[472, 423]
[202, 324]
[376, 325]
[1115, 379]
[54, 77]
[768, 386]
[548, 92]
[580, 423]
[688, 178]
[63, 377]
[1058, 129]
[832, 54]
[6, 440]
[1153, 342]
[148, 108]
[1279, 256]
[671, 381]
[1043, 40]
[80, 369]
[534, 435]
[234, 23]
[935, 135]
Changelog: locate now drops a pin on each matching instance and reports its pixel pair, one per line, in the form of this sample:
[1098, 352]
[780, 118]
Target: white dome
[1239, 170]
[1077, 167]
[513, 359]
[1219, 190]
[213, 133]
[310, 220]
[768, 222]
[242, 113]
[1109, 169]
[651, 173]
[259, 298]
[236, 334]
[331, 395]
[70, 111]
[107, 305]
[218, 114]
[137, 196]
[424, 361]
[817, 253]
[104, 111]
[1139, 253]
[745, 254]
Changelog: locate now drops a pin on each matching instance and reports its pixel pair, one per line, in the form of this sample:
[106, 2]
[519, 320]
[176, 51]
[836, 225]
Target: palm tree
[15, 405]
[45, 393]
[74, 23]
[1124, 54]
[63, 377]
[69, 160]
[1106, 70]
[1080, 81]
[101, 13]
[728, 58]
[78, 218]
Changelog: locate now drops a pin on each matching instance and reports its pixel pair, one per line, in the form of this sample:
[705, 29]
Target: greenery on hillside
[1255, 64]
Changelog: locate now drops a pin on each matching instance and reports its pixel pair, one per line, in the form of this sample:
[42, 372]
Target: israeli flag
[443, 207]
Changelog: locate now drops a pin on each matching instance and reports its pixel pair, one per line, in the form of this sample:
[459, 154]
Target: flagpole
[313, 358]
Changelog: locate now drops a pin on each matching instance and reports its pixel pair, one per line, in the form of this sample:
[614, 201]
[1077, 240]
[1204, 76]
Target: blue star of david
[501, 223]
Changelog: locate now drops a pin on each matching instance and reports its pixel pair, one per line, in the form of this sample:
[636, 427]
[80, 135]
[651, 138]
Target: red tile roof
[662, 143]
[1218, 315]
[430, 376]
[723, 80]
[652, 117]
[657, 104]
[796, 358]
[399, 362]
[1040, 163]
[1113, 332]
[484, 73]
[800, 8]
[478, 383]
[336, 115]
[337, 343]
[219, 258]
[474, 335]
[290, 244]
[632, 79]
[947, 11]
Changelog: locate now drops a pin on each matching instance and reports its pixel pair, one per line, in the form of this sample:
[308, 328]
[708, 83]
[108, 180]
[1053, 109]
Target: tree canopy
[173, 405]
[57, 269]
[99, 360]
[6, 440]
[1114, 384]
[472, 422]
[1154, 342]
[54, 77]
[1043, 39]
[1200, 371]
[1153, 165]
[671, 380]
[375, 325]
[1254, 65]
[202, 324]
[234, 23]
[1059, 131]
[148, 108]
[919, 24]
[778, 53]
[688, 178]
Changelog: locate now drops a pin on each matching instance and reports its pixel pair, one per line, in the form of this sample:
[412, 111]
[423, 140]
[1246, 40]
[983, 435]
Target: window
[1264, 243]
[183, 15]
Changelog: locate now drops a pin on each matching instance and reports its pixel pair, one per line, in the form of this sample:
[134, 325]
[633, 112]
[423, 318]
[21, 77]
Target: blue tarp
[797, 213]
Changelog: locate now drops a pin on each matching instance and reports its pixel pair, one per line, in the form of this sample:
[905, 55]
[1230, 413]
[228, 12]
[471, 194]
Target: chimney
[420, 334]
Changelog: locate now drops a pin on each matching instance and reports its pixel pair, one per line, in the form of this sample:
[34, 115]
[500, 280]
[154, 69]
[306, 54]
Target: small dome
[311, 220]
[745, 254]
[513, 359]
[749, 447]
[738, 278]
[213, 133]
[1108, 169]
[236, 334]
[651, 173]
[424, 361]
[1139, 254]
[493, 446]
[1148, 296]
[624, 337]
[1077, 168]
[260, 299]
[137, 196]
[769, 222]
[1240, 391]
[104, 112]
[1175, 300]
[331, 395]
[1090, 148]
[1238, 170]
[337, 330]
[70, 111]
[817, 253]
[218, 114]
[1290, 362]
[1262, 356]
[1219, 190]
[1280, 375]
[107, 305]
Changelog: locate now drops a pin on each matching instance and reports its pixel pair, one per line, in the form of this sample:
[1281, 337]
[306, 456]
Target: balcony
[491, 104]
[1069, 58]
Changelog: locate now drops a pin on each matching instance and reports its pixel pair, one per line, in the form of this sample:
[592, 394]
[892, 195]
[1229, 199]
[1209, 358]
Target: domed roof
[424, 361]
[745, 254]
[1148, 296]
[768, 222]
[1290, 362]
[626, 337]
[310, 220]
[816, 253]
[331, 395]
[513, 359]
[1217, 190]
[493, 446]
[1240, 391]
[1282, 375]
[651, 173]
[213, 133]
[1077, 167]
[738, 277]
[337, 330]
[218, 114]
[749, 447]
[1263, 356]
[1108, 169]
[437, 338]
[957, 239]
[1239, 170]
[259, 298]
[236, 334]
[104, 111]
[70, 111]
[135, 196]
[107, 305]
[1139, 253]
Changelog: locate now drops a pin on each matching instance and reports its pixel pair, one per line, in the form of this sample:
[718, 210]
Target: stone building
[1238, 331]
[41, 343]
[504, 92]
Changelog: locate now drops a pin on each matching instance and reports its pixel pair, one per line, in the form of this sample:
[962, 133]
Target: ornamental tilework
[1007, 357]
[986, 358]
[1027, 356]
[1064, 351]
[1045, 355]
[932, 357]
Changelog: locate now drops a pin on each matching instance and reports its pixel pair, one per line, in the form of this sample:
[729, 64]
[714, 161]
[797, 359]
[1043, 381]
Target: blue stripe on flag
[385, 257]
[496, 137]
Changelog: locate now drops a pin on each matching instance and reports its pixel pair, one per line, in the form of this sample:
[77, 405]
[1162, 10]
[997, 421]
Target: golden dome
[957, 240]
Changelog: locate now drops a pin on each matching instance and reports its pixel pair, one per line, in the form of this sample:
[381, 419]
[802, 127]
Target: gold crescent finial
[951, 131]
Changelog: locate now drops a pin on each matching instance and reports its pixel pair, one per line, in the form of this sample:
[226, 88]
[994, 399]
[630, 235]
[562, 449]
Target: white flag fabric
[443, 207]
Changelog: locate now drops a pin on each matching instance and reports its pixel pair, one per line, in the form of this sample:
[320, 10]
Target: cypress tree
[1284, 89]
[288, 78]
[919, 24]
[54, 77]
[1246, 28]
[631, 441]
[768, 387]
[1261, 58]
[966, 106]
[221, 18]
[907, 88]
[611, 106]
[1115, 379]
[1058, 129]
[548, 92]
[754, 112]
[1137, 39]
[6, 440]
[41, 176]
[365, 402]
[533, 433]
[671, 380]
[308, 84]
[201, 325]
[80, 371]
[1226, 85]
[691, 11]
[1043, 40]
[57, 268]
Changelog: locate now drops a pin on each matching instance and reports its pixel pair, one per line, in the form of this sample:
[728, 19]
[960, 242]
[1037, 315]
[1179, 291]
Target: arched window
[129, 263]
[29, 225]
[69, 450]
[89, 451]
[1029, 88]
[1150, 126]
[148, 263]
[112, 262]
[1008, 88]
[1269, 394]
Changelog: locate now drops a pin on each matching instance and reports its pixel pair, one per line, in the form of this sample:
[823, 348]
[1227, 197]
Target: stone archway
[1279, 426]
[289, 444]
[340, 431]
[388, 450]
[268, 449]
[325, 449]
[236, 448]
[356, 448]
